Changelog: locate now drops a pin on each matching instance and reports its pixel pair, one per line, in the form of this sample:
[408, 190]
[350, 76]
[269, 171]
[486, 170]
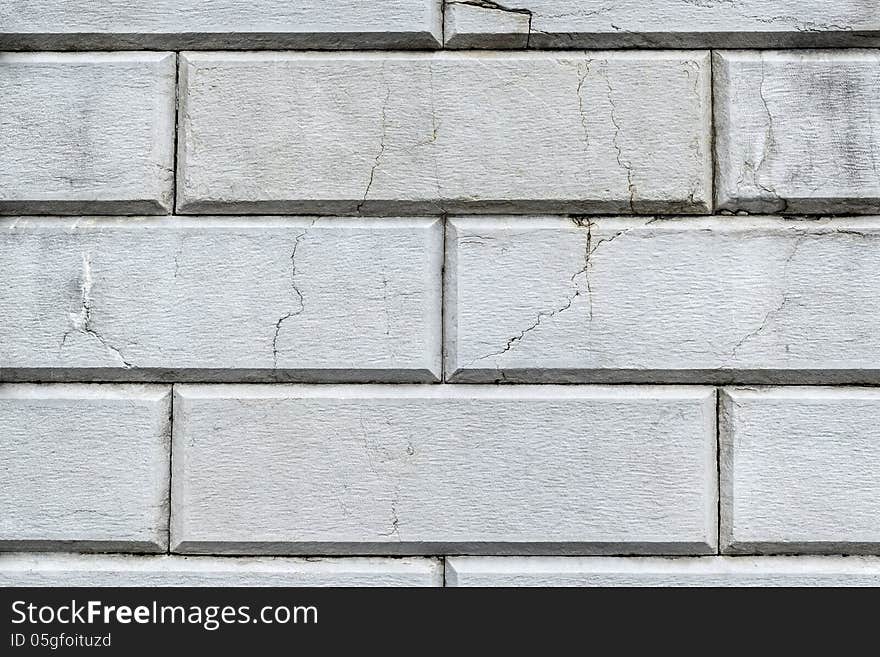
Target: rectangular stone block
[660, 571]
[799, 470]
[219, 24]
[630, 300]
[84, 467]
[125, 570]
[798, 132]
[175, 299]
[662, 24]
[86, 132]
[428, 133]
[443, 470]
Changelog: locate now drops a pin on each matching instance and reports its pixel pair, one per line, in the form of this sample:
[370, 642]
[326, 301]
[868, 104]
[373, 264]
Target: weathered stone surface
[84, 467]
[659, 571]
[386, 133]
[86, 133]
[206, 298]
[715, 299]
[662, 23]
[798, 132]
[443, 470]
[124, 570]
[799, 470]
[219, 24]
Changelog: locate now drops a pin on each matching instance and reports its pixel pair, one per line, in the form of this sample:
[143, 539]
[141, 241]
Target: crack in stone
[583, 71]
[579, 13]
[581, 289]
[385, 302]
[640, 39]
[590, 248]
[82, 321]
[435, 130]
[769, 143]
[785, 297]
[435, 125]
[708, 4]
[751, 171]
[299, 296]
[381, 152]
[494, 6]
[395, 519]
[615, 141]
[768, 317]
[544, 314]
[800, 25]
[850, 231]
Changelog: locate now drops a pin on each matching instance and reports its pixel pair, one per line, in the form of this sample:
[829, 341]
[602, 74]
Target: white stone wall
[405, 292]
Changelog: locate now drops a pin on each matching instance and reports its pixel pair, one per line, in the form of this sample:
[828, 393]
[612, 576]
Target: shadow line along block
[662, 23]
[128, 570]
[662, 571]
[218, 24]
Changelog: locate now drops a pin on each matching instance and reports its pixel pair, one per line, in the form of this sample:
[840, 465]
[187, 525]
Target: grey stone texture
[84, 467]
[428, 133]
[798, 132]
[662, 571]
[127, 570]
[86, 133]
[218, 24]
[262, 298]
[678, 300]
[799, 470]
[662, 23]
[657, 221]
[443, 470]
